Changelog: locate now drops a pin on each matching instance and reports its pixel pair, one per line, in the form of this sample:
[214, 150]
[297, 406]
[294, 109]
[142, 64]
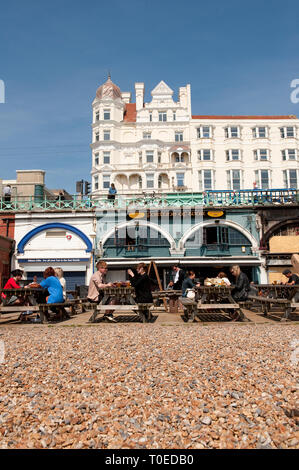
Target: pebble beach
[143, 386]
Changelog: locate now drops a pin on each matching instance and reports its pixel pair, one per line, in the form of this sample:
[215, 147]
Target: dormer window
[106, 114]
[162, 116]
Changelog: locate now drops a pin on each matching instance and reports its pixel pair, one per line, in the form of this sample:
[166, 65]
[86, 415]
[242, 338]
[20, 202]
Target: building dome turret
[108, 90]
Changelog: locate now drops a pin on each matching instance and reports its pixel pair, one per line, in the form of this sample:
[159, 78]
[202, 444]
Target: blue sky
[239, 57]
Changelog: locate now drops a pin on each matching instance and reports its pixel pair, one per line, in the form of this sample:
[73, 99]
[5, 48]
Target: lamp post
[93, 235]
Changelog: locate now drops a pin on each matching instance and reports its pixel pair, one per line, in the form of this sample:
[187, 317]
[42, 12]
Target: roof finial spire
[109, 75]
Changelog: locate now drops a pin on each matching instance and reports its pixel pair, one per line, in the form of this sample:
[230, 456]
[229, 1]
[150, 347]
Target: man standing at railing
[7, 193]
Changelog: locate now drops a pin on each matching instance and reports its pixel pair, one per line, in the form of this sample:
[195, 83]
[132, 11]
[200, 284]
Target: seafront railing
[206, 199]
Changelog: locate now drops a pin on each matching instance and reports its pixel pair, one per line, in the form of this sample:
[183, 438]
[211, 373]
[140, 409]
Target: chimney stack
[139, 90]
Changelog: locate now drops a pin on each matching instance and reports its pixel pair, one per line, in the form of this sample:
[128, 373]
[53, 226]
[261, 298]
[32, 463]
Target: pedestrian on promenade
[7, 193]
[96, 284]
[112, 192]
[142, 284]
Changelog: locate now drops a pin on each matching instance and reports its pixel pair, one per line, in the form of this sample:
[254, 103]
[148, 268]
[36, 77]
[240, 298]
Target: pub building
[206, 241]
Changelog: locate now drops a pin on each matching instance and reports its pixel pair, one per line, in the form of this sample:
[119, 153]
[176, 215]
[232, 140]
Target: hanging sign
[216, 214]
[136, 215]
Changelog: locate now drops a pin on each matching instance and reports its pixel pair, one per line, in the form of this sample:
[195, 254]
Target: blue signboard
[53, 260]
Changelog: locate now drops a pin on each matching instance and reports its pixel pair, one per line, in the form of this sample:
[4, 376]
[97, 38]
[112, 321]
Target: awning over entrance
[188, 261]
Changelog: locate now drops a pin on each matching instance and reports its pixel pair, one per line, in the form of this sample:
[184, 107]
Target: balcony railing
[207, 199]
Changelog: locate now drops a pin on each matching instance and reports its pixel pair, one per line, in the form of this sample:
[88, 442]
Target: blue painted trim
[44, 227]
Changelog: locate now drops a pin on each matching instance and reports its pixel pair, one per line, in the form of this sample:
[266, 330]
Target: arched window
[217, 236]
[138, 236]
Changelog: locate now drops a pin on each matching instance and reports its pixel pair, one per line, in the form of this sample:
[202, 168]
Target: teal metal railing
[205, 199]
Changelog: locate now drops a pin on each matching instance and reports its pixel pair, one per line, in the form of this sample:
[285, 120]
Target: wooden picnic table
[213, 299]
[124, 302]
[31, 298]
[208, 300]
[282, 296]
[172, 296]
[277, 291]
[31, 295]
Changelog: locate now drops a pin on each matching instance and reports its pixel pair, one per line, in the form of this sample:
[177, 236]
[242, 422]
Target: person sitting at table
[12, 283]
[293, 280]
[242, 287]
[59, 275]
[53, 285]
[142, 284]
[223, 277]
[189, 283]
[96, 284]
[252, 289]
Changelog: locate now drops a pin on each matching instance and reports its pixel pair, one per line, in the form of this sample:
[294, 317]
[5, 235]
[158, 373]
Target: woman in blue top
[52, 283]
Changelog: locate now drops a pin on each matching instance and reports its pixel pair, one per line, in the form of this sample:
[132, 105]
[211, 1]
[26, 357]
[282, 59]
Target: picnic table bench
[209, 300]
[78, 303]
[124, 303]
[218, 299]
[35, 303]
[58, 309]
[171, 295]
[275, 295]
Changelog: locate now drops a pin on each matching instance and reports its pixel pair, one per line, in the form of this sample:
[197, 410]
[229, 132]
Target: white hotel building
[161, 146]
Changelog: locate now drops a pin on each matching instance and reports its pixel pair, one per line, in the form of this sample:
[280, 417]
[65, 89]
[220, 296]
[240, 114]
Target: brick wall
[5, 250]
[11, 225]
